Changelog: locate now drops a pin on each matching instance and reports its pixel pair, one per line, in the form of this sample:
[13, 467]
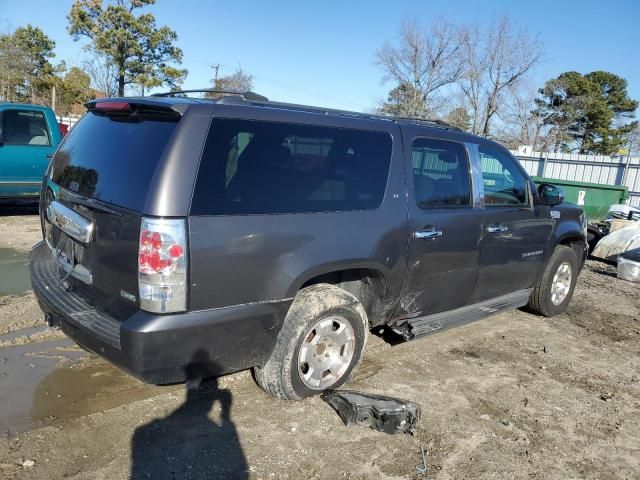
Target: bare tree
[472, 79]
[633, 142]
[426, 59]
[510, 55]
[103, 73]
[13, 71]
[239, 81]
[524, 122]
[496, 61]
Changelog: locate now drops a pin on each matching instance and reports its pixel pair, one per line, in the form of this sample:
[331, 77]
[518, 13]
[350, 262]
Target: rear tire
[552, 294]
[319, 347]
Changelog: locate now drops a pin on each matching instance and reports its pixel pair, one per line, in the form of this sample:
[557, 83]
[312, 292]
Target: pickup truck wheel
[320, 344]
[552, 294]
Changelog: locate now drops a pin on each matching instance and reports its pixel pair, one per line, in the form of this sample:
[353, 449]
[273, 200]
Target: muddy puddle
[15, 274]
[50, 382]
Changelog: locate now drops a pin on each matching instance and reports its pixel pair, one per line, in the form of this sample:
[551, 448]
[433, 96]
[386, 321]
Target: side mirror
[550, 194]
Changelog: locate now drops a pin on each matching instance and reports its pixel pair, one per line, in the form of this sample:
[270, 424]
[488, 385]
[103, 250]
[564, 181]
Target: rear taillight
[162, 265]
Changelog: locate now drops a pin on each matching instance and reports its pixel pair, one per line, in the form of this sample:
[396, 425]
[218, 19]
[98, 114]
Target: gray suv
[186, 238]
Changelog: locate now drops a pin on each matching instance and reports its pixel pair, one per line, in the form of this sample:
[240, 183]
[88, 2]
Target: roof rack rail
[437, 121]
[371, 116]
[265, 102]
[246, 95]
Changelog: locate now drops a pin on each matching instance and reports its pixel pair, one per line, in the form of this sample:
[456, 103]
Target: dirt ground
[512, 396]
[19, 226]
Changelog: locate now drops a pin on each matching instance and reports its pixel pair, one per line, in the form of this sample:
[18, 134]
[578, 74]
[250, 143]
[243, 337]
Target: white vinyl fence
[69, 121]
[586, 168]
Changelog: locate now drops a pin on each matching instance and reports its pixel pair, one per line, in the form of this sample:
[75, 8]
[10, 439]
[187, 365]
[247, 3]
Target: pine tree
[589, 113]
[140, 50]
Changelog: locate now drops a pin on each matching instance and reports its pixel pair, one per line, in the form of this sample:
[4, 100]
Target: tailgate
[97, 186]
[96, 248]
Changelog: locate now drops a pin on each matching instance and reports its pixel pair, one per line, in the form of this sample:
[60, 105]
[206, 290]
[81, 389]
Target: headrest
[448, 157]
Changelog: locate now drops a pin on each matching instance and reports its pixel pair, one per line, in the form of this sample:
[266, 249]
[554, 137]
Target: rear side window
[112, 159]
[24, 127]
[440, 173]
[504, 183]
[253, 167]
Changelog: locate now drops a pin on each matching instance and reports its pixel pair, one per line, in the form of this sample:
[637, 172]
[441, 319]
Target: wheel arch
[366, 281]
[577, 242]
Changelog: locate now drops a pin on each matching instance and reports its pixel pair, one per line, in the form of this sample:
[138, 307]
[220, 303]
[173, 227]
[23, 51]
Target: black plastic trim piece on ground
[385, 414]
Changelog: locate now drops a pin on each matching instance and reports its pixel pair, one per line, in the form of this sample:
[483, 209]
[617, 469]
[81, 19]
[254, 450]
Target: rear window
[24, 127]
[112, 158]
[253, 167]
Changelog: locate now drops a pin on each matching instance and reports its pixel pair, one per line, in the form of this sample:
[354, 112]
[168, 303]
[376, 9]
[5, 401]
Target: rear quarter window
[112, 159]
[255, 167]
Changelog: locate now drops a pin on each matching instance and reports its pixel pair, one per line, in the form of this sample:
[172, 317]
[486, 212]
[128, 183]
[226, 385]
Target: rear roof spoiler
[126, 105]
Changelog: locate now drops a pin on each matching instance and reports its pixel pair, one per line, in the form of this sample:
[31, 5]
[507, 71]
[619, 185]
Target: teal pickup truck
[29, 135]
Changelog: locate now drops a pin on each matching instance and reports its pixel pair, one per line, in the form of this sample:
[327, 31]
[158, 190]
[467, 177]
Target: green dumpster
[594, 198]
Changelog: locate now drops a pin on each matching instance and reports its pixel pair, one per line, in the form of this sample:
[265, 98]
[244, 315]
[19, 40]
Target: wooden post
[53, 98]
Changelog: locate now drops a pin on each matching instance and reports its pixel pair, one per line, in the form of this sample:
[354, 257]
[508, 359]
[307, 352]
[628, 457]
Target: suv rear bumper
[160, 349]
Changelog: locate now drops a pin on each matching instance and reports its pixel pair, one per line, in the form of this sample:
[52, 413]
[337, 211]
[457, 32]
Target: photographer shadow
[188, 443]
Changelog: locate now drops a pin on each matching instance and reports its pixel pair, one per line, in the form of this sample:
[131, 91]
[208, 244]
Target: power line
[287, 85]
[216, 67]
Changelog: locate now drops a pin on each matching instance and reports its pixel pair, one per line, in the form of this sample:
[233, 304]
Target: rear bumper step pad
[45, 279]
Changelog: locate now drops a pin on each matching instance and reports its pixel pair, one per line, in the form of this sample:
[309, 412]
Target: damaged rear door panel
[445, 225]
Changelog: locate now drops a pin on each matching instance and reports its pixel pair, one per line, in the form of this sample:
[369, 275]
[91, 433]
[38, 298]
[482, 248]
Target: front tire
[319, 347]
[552, 294]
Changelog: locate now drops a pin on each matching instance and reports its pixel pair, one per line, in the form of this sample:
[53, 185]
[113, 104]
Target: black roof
[179, 102]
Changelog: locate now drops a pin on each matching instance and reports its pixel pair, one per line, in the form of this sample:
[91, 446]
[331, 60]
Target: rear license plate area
[73, 251]
[67, 249]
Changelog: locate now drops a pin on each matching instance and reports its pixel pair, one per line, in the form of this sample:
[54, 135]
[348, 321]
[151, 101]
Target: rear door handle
[427, 233]
[497, 229]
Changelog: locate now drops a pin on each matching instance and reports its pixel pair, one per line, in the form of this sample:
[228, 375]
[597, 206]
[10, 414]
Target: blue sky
[322, 53]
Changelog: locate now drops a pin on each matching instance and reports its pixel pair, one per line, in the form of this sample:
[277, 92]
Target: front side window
[504, 183]
[440, 173]
[24, 127]
[255, 167]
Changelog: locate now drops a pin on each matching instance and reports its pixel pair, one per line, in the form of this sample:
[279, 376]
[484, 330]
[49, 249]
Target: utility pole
[53, 98]
[216, 67]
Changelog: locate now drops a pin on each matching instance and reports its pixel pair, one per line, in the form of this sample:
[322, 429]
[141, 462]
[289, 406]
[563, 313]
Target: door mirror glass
[550, 194]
